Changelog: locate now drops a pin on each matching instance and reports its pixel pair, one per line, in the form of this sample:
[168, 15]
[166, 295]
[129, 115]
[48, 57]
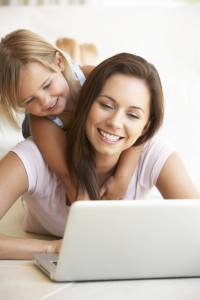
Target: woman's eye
[133, 116]
[106, 105]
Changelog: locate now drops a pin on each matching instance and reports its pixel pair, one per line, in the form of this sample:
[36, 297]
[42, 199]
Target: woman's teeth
[109, 137]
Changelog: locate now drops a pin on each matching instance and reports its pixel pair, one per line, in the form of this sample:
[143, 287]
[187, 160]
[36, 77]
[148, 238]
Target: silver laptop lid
[130, 239]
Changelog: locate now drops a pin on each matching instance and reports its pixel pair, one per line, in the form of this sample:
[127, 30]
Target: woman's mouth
[53, 106]
[109, 137]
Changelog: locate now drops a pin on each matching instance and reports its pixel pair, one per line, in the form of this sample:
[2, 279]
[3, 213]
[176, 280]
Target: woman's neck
[105, 167]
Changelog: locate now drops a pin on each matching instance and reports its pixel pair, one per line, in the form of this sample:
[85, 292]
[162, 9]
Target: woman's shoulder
[38, 172]
[155, 153]
[157, 145]
[29, 153]
[26, 145]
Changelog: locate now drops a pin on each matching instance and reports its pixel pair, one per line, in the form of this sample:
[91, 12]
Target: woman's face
[43, 92]
[119, 115]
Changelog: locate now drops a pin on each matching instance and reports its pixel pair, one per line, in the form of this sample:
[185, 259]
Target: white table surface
[23, 280]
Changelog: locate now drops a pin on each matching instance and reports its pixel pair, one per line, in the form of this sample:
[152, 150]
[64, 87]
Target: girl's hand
[71, 191]
[113, 189]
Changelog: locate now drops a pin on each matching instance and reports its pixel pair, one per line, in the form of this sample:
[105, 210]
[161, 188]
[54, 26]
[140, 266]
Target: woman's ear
[59, 61]
[146, 127]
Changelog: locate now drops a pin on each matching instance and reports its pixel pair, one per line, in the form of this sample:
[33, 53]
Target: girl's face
[43, 92]
[119, 115]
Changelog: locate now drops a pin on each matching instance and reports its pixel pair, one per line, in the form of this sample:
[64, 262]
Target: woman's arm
[21, 248]
[13, 183]
[174, 181]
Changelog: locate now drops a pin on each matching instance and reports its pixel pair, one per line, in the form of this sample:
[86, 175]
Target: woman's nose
[116, 120]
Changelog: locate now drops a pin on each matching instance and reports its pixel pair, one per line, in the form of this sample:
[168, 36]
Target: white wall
[166, 36]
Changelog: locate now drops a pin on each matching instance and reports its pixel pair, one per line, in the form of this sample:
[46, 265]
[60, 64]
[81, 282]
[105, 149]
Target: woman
[122, 102]
[121, 106]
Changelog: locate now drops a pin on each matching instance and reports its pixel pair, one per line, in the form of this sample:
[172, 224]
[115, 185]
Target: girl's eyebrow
[44, 82]
[113, 100]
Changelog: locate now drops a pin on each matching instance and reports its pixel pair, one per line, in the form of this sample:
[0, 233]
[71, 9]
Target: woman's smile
[108, 137]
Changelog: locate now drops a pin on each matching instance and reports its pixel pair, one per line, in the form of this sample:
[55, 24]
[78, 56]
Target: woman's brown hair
[80, 158]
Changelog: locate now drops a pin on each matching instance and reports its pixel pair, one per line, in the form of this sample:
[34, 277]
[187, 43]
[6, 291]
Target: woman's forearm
[22, 248]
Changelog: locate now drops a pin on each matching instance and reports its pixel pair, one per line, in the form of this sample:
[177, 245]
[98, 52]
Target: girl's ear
[146, 127]
[59, 61]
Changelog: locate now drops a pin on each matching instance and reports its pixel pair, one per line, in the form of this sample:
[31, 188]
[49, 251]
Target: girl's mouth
[53, 106]
[109, 137]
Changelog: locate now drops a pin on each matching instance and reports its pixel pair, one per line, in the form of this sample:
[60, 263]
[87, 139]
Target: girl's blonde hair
[17, 49]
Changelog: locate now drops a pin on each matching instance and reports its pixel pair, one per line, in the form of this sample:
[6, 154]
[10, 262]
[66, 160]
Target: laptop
[117, 240]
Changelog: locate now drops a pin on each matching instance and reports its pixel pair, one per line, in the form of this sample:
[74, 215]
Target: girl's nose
[116, 120]
[45, 100]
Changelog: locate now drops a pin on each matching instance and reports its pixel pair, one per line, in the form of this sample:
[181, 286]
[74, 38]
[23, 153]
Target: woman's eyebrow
[132, 106]
[106, 96]
[137, 107]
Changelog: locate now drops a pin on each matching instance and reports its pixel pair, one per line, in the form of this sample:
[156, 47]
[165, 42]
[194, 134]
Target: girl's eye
[47, 86]
[30, 101]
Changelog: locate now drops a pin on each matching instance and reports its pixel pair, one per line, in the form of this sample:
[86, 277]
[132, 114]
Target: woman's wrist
[21, 248]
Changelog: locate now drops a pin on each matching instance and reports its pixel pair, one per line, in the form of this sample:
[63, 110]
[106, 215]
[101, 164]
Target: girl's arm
[116, 186]
[13, 183]
[174, 182]
[51, 141]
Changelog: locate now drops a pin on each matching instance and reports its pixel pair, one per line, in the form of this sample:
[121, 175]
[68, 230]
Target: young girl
[38, 78]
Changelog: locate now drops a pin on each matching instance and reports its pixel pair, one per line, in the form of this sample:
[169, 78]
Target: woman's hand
[71, 192]
[54, 247]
